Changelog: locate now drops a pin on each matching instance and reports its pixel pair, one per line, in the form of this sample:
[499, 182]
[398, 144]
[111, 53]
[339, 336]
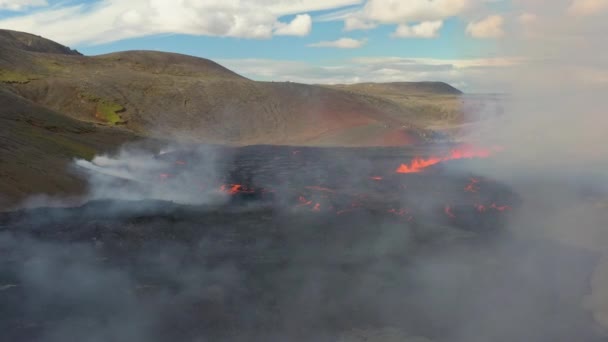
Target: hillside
[435, 106]
[37, 145]
[166, 94]
[57, 104]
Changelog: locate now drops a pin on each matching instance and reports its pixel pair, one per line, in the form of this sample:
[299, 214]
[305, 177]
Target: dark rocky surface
[265, 266]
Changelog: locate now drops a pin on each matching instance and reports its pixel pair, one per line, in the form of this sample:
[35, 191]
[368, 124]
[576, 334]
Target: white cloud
[355, 23]
[19, 5]
[587, 7]
[490, 27]
[301, 25]
[399, 11]
[284, 7]
[111, 20]
[427, 14]
[342, 43]
[425, 29]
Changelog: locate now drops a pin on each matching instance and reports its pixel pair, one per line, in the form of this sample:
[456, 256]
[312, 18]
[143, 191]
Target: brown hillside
[165, 94]
[29, 42]
[37, 145]
[436, 106]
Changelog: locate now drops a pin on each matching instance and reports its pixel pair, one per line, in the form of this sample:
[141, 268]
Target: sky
[310, 41]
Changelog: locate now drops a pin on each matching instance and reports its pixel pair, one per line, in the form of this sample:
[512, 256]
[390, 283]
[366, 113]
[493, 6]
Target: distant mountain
[56, 103]
[401, 88]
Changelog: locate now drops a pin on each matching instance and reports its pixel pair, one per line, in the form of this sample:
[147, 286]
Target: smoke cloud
[553, 132]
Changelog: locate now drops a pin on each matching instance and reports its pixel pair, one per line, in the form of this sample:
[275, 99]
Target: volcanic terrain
[151, 196]
[269, 243]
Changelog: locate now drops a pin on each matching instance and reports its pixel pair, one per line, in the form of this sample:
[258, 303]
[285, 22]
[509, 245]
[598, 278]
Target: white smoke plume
[553, 131]
[138, 174]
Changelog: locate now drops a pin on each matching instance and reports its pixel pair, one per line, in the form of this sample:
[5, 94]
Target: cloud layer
[489, 27]
[342, 43]
[19, 5]
[111, 20]
[426, 29]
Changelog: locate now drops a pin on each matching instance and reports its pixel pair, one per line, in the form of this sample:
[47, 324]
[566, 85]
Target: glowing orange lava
[418, 164]
[400, 212]
[473, 186]
[303, 201]
[233, 189]
[448, 211]
[500, 207]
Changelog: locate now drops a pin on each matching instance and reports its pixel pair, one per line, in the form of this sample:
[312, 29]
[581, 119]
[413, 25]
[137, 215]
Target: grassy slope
[173, 95]
[37, 145]
[432, 105]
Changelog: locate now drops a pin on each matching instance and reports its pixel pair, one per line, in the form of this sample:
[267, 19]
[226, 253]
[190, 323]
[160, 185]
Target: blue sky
[451, 44]
[401, 38]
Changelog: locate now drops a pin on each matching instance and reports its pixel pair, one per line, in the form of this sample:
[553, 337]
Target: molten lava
[448, 211]
[334, 198]
[418, 164]
[233, 189]
[473, 186]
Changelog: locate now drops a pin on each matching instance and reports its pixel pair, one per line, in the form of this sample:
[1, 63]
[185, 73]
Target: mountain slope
[184, 97]
[435, 106]
[37, 146]
[29, 42]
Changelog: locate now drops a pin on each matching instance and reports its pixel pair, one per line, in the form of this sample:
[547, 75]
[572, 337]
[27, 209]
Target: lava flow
[418, 164]
[324, 190]
[234, 189]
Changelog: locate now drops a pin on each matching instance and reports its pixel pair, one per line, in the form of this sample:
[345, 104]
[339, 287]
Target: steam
[553, 133]
[137, 174]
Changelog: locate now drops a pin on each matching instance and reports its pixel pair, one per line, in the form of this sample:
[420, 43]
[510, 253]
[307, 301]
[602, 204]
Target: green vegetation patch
[106, 110]
[11, 76]
[109, 111]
